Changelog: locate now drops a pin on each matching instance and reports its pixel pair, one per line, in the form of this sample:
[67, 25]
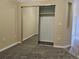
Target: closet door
[47, 14]
[46, 28]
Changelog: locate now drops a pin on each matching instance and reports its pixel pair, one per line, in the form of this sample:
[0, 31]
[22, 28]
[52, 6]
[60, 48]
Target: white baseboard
[9, 46]
[62, 46]
[30, 36]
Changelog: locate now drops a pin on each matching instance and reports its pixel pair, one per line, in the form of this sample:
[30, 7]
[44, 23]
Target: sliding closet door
[46, 28]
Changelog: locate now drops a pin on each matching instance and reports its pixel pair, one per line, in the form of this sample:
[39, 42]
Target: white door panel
[46, 28]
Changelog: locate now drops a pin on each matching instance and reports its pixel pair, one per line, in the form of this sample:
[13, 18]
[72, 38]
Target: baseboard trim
[30, 36]
[67, 46]
[9, 46]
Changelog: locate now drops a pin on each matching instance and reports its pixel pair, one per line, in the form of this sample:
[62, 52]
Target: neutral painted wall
[8, 22]
[60, 23]
[61, 15]
[62, 32]
[29, 21]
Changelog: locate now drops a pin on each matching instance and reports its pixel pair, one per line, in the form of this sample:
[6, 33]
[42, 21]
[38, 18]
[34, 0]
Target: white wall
[60, 23]
[62, 33]
[8, 22]
[29, 21]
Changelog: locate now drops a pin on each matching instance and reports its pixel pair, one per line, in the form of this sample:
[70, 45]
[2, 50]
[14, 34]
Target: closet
[46, 17]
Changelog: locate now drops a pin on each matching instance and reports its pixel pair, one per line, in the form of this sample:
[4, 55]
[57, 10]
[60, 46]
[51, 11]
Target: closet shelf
[47, 14]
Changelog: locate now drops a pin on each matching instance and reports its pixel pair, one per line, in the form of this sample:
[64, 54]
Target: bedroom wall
[8, 23]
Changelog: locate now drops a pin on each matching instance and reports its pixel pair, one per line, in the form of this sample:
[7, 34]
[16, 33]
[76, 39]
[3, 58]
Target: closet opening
[46, 24]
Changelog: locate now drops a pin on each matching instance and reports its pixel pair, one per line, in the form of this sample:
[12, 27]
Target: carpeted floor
[31, 50]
